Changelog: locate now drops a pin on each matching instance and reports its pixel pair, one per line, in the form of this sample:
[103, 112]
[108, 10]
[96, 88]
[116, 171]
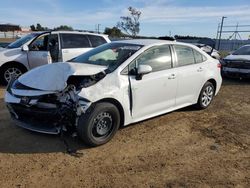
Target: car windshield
[245, 50]
[19, 42]
[110, 55]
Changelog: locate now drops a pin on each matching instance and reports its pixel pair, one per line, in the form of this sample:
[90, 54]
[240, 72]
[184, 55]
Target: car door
[156, 91]
[38, 53]
[73, 45]
[190, 72]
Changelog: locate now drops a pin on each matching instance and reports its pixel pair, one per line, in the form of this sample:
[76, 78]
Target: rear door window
[96, 40]
[74, 41]
[185, 55]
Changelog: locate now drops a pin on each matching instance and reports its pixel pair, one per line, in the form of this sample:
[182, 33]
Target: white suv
[41, 48]
[113, 85]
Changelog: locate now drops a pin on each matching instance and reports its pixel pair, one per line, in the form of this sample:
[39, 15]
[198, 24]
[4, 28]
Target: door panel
[38, 58]
[190, 74]
[154, 93]
[74, 45]
[38, 53]
[190, 80]
[70, 53]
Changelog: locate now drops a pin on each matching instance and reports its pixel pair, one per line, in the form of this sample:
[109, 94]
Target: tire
[206, 96]
[10, 71]
[99, 125]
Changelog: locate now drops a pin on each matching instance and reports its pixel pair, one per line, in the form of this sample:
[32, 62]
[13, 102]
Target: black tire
[18, 69]
[206, 96]
[99, 125]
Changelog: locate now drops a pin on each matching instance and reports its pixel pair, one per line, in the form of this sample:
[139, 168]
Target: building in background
[13, 31]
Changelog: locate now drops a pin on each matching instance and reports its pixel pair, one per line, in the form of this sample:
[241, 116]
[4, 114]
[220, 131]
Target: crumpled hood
[237, 57]
[53, 77]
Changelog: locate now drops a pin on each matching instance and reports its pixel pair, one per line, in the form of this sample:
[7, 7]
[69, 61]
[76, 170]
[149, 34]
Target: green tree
[39, 27]
[113, 32]
[64, 28]
[33, 28]
[130, 24]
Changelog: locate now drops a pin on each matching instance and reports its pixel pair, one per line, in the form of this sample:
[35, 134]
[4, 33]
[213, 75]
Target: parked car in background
[237, 64]
[209, 50]
[42, 48]
[113, 85]
[4, 44]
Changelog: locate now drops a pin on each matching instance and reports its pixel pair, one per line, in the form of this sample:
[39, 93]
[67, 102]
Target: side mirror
[142, 70]
[25, 48]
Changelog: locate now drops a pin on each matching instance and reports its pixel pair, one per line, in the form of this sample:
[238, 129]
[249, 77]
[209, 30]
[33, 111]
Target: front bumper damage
[47, 113]
[236, 68]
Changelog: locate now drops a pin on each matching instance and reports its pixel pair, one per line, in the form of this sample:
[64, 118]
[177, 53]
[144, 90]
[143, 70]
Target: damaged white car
[113, 85]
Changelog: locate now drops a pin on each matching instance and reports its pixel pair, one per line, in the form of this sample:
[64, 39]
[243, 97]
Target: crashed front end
[49, 112]
[48, 99]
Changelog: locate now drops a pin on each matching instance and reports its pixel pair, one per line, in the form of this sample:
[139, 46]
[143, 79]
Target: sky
[158, 18]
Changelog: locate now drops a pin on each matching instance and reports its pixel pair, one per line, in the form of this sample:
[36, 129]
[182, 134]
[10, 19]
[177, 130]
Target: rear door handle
[200, 69]
[65, 51]
[172, 76]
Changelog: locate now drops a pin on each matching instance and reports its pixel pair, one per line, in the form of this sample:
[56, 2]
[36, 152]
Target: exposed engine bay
[59, 109]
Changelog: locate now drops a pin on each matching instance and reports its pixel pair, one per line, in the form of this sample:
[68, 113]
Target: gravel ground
[185, 148]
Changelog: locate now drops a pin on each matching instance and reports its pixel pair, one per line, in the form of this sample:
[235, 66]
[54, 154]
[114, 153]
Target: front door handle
[172, 76]
[200, 69]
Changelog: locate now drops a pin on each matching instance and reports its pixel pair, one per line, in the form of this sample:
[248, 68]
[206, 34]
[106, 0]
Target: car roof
[79, 32]
[150, 42]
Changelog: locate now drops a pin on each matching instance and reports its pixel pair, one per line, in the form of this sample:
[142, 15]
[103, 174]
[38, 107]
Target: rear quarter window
[199, 58]
[96, 40]
[74, 41]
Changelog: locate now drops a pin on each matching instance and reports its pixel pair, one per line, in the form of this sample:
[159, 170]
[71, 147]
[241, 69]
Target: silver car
[42, 48]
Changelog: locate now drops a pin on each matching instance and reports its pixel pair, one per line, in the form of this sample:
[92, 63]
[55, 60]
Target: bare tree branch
[130, 24]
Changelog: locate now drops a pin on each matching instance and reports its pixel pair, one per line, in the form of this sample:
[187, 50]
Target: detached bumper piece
[236, 69]
[36, 119]
[235, 73]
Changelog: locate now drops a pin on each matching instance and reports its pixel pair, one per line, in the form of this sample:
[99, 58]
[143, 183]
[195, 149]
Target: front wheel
[10, 72]
[206, 96]
[100, 125]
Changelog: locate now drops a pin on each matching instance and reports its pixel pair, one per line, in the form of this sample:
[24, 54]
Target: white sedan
[113, 85]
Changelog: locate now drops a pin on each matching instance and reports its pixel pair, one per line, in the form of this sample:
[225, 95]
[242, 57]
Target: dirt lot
[186, 148]
[7, 39]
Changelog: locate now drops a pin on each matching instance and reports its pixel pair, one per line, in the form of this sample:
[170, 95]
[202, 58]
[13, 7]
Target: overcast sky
[159, 17]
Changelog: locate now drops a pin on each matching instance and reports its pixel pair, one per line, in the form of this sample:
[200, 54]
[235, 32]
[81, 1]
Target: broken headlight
[85, 81]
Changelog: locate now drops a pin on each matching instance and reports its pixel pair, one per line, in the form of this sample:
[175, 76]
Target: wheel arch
[118, 105]
[213, 81]
[9, 63]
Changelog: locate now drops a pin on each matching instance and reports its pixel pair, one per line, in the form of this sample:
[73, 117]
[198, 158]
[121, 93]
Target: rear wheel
[11, 71]
[100, 125]
[206, 96]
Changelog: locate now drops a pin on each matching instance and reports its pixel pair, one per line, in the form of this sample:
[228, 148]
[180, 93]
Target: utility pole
[221, 27]
[98, 28]
[216, 40]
